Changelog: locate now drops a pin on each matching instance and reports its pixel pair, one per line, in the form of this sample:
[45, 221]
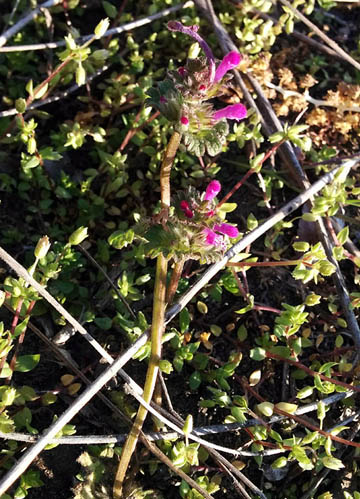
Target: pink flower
[232, 112]
[212, 190]
[227, 229]
[212, 238]
[184, 120]
[230, 61]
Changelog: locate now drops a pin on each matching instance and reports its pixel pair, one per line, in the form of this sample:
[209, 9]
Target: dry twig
[25, 20]
[53, 45]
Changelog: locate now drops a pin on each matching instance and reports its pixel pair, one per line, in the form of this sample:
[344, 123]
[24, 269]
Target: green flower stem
[158, 324]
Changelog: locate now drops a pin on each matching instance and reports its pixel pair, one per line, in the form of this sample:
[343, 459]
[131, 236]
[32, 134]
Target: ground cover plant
[179, 249]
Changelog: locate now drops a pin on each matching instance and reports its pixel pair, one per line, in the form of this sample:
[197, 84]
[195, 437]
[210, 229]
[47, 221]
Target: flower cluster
[213, 236]
[193, 230]
[183, 97]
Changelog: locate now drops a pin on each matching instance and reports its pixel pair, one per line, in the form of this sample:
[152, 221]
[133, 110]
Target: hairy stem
[158, 323]
[174, 281]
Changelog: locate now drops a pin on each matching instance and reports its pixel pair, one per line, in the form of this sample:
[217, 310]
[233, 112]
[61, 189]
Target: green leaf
[41, 92]
[258, 353]
[242, 333]
[238, 414]
[343, 235]
[8, 395]
[279, 463]
[104, 323]
[110, 9]
[120, 239]
[332, 463]
[301, 246]
[23, 418]
[6, 371]
[165, 366]
[300, 455]
[184, 320]
[20, 328]
[305, 392]
[282, 351]
[325, 368]
[26, 363]
[29, 163]
[195, 380]
[178, 364]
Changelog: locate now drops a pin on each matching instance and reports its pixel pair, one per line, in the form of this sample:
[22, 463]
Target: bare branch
[25, 20]
[53, 45]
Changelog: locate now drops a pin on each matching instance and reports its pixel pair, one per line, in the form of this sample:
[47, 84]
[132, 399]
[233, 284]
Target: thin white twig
[22, 272]
[114, 31]
[55, 98]
[322, 35]
[201, 431]
[316, 102]
[75, 407]
[25, 20]
[253, 235]
[10, 18]
[113, 369]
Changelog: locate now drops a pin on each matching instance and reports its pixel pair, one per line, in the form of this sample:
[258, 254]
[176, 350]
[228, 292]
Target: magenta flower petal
[227, 229]
[210, 236]
[233, 112]
[230, 61]
[212, 190]
[213, 238]
[184, 120]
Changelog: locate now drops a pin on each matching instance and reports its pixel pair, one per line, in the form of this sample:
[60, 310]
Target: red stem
[299, 419]
[249, 173]
[313, 373]
[22, 335]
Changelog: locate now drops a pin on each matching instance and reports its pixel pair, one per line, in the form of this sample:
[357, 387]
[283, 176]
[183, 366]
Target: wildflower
[212, 190]
[230, 61]
[213, 239]
[232, 112]
[213, 229]
[194, 230]
[227, 229]
[183, 97]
